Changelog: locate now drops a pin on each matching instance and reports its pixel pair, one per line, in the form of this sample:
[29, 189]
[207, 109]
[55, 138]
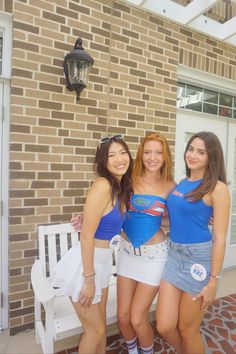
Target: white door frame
[5, 75]
[231, 248]
[4, 206]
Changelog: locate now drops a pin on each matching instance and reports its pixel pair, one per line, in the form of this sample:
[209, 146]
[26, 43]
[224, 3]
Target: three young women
[83, 273]
[195, 259]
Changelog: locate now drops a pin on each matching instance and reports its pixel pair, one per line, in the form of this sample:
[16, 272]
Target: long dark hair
[166, 168]
[215, 169]
[119, 189]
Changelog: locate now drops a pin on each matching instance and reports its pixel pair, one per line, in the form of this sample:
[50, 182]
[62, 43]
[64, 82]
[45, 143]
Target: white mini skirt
[68, 273]
[144, 264]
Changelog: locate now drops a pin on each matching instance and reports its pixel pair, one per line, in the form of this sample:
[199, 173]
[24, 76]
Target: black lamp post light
[77, 65]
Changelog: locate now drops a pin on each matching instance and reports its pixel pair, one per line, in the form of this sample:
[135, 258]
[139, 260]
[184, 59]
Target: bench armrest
[43, 290]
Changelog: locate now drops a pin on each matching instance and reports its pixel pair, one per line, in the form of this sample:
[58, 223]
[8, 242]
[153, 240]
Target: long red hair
[166, 169]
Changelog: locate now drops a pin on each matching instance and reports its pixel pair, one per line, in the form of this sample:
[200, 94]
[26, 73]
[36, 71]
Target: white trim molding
[192, 15]
[201, 78]
[6, 31]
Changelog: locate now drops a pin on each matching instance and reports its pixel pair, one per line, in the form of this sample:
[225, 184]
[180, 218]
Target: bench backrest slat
[63, 243]
[54, 242]
[74, 238]
[52, 252]
[42, 247]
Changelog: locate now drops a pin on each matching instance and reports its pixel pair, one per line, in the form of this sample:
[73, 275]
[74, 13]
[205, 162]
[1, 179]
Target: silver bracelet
[89, 277]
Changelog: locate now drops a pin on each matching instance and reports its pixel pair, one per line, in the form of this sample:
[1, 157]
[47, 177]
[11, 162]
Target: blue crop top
[143, 219]
[110, 224]
[188, 219]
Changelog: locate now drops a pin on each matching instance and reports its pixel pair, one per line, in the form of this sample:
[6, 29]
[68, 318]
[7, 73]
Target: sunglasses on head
[107, 139]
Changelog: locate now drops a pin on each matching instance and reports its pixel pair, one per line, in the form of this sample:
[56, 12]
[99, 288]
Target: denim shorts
[188, 266]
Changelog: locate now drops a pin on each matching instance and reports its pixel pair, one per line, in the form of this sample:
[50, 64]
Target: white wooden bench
[60, 320]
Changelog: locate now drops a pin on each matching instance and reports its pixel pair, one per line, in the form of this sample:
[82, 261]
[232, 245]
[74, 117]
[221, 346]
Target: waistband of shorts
[102, 250]
[144, 250]
[190, 246]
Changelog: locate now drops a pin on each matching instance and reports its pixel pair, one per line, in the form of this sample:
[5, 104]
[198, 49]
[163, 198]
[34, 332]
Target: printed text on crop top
[188, 219]
[143, 219]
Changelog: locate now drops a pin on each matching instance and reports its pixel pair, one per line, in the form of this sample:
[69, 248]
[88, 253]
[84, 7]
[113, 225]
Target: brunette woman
[195, 259]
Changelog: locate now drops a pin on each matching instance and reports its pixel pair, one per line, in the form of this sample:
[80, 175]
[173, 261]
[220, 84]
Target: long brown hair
[119, 189]
[215, 169]
[166, 168]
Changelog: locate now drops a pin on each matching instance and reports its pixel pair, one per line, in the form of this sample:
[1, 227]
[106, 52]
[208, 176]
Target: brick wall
[6, 5]
[132, 90]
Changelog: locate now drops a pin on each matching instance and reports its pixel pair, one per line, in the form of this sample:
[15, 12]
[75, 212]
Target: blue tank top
[143, 219]
[110, 224]
[188, 219]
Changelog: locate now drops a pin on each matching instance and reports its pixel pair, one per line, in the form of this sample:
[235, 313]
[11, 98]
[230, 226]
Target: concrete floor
[24, 342]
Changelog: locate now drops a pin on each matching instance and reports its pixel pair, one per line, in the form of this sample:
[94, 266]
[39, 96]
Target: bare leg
[142, 300]
[102, 345]
[168, 314]
[125, 292]
[94, 328]
[190, 317]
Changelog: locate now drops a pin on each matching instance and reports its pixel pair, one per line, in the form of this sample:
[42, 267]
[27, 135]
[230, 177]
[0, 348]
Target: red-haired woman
[143, 247]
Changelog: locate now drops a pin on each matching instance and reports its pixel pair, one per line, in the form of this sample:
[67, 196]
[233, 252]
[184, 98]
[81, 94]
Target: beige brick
[19, 35]
[20, 263]
[37, 112]
[38, 94]
[28, 318]
[23, 120]
[46, 77]
[50, 158]
[21, 295]
[15, 203]
[21, 245]
[23, 138]
[61, 201]
[14, 322]
[47, 210]
[61, 185]
[47, 193]
[21, 228]
[23, 83]
[42, 4]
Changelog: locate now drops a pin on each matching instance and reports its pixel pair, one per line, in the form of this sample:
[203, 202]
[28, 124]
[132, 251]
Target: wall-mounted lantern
[77, 65]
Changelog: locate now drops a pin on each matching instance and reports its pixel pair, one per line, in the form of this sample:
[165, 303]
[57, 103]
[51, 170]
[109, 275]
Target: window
[208, 101]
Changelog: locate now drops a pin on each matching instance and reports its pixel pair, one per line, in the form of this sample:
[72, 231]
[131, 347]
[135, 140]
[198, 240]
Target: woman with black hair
[83, 273]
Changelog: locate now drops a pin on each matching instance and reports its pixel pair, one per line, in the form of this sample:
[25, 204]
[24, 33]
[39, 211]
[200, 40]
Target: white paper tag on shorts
[198, 272]
[114, 241]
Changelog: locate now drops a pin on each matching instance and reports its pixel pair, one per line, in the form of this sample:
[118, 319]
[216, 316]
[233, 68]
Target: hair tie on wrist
[215, 276]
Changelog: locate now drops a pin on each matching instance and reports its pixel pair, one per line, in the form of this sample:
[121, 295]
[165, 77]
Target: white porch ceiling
[216, 18]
